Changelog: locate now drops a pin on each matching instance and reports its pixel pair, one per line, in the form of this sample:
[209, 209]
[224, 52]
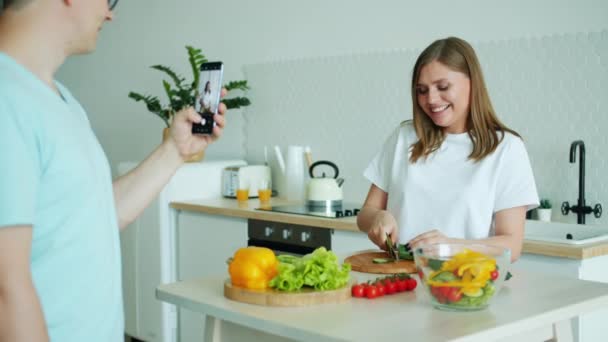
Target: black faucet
[580, 209]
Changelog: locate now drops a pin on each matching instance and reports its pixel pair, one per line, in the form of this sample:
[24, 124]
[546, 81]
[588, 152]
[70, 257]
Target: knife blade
[391, 248]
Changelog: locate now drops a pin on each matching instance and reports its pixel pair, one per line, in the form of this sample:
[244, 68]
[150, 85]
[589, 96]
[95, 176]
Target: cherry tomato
[494, 275]
[411, 284]
[444, 291]
[381, 289]
[358, 290]
[453, 294]
[391, 287]
[401, 285]
[371, 291]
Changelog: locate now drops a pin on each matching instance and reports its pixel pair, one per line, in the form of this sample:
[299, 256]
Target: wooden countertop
[247, 210]
[230, 207]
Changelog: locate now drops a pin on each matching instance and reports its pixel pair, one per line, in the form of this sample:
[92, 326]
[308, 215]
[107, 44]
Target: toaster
[252, 176]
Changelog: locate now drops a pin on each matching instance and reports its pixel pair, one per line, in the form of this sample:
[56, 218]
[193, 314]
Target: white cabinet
[589, 327]
[149, 250]
[205, 242]
[345, 242]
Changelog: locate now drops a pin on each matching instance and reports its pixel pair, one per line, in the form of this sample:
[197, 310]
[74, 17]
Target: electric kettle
[322, 191]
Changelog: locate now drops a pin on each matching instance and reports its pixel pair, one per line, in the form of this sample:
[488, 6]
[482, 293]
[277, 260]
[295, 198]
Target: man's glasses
[112, 4]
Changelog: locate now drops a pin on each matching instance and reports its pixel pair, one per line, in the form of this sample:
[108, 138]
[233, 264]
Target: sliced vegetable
[476, 292]
[435, 264]
[404, 253]
[381, 260]
[445, 276]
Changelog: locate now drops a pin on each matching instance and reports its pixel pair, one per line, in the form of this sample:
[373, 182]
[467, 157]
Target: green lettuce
[319, 270]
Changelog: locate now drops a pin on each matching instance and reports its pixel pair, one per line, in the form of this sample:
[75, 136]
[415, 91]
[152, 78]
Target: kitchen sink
[573, 234]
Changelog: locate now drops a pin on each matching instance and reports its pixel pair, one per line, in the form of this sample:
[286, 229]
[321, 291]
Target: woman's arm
[375, 220]
[508, 233]
[509, 230]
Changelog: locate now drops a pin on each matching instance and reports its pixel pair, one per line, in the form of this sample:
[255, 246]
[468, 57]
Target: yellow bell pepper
[474, 268]
[253, 267]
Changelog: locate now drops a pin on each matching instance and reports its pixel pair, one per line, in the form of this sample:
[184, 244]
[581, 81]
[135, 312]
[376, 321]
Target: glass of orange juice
[242, 192]
[264, 191]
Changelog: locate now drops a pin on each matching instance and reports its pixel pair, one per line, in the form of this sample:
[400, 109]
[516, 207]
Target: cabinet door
[205, 242]
[345, 243]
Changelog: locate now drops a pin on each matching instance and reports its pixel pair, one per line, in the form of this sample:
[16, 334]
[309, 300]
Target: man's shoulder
[14, 89]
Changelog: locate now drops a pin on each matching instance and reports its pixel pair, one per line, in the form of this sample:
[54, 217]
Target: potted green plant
[182, 94]
[544, 210]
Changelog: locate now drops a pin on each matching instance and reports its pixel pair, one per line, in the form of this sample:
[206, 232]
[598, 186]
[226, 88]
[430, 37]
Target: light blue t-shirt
[54, 176]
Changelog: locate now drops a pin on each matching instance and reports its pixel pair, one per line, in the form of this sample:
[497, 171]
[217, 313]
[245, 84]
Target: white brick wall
[552, 90]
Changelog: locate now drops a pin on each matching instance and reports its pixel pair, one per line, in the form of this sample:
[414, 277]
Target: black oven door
[285, 238]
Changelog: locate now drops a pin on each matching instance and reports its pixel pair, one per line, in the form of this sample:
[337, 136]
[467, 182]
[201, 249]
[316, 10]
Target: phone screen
[208, 96]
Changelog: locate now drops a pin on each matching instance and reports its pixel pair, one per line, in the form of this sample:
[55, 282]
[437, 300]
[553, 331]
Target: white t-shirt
[447, 191]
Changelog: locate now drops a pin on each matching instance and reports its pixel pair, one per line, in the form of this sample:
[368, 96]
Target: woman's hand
[187, 143]
[383, 223]
[427, 238]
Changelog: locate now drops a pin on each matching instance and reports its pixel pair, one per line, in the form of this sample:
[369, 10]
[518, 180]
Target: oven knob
[339, 213]
[268, 231]
[286, 234]
[348, 212]
[305, 236]
[356, 211]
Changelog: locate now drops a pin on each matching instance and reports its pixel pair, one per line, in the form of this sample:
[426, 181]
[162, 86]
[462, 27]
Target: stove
[342, 210]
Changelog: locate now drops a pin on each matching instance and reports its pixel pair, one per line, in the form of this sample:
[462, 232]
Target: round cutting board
[271, 297]
[363, 262]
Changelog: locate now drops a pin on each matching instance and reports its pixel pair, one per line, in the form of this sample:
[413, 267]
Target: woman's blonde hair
[482, 124]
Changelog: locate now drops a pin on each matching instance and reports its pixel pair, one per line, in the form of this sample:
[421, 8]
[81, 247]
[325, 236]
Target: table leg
[212, 329]
[562, 331]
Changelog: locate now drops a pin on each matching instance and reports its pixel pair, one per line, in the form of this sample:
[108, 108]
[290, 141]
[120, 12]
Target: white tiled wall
[552, 90]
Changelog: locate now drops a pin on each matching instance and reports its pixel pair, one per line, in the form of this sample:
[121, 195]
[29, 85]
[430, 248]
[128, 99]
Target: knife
[391, 248]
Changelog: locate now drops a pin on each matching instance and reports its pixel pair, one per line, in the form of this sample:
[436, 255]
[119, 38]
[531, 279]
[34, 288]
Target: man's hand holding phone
[188, 143]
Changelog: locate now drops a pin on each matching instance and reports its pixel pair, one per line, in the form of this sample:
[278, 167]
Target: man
[60, 213]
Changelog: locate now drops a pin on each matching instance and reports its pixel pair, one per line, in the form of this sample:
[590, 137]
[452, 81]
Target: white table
[529, 307]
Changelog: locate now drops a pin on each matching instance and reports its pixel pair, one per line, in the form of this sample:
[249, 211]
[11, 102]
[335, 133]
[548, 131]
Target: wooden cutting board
[271, 297]
[363, 262]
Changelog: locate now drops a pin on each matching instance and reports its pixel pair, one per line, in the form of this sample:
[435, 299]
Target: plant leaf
[196, 59]
[153, 105]
[242, 85]
[176, 78]
[236, 102]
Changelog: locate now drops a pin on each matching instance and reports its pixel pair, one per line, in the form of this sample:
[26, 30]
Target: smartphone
[208, 96]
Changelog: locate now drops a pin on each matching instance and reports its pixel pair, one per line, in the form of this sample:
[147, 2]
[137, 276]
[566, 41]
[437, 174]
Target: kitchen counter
[230, 207]
[247, 210]
[525, 307]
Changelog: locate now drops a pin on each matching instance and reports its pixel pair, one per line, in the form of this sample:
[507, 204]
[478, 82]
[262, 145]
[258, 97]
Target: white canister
[295, 174]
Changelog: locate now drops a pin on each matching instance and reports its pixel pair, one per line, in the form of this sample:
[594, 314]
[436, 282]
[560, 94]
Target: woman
[455, 172]
[206, 99]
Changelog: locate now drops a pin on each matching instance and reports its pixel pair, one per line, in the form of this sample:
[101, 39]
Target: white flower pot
[544, 214]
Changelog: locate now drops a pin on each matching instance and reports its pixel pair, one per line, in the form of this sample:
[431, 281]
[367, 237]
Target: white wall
[284, 34]
[244, 32]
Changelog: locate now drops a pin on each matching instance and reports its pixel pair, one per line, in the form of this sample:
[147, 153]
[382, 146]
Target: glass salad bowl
[462, 277]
